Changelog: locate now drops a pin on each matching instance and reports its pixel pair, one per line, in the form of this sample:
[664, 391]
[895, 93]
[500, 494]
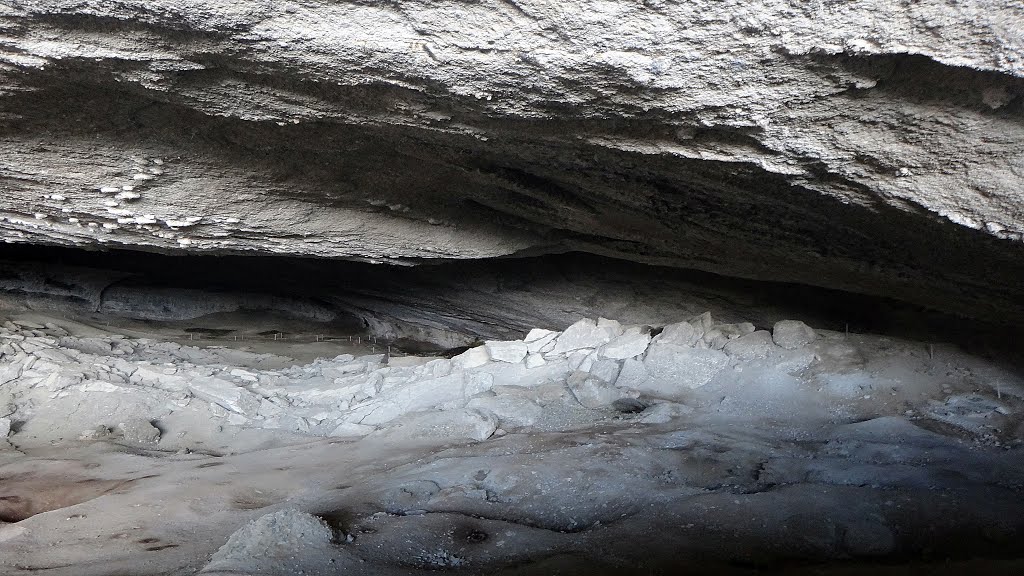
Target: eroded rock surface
[139, 455]
[873, 147]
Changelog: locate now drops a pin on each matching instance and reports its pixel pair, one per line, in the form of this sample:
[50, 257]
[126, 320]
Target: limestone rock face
[873, 147]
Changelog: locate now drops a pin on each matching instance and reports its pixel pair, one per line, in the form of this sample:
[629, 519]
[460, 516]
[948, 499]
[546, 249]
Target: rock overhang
[775, 142]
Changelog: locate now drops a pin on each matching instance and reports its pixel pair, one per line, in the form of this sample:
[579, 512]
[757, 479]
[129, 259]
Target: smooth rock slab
[466, 424]
[513, 411]
[351, 430]
[501, 351]
[680, 333]
[537, 334]
[633, 374]
[535, 361]
[792, 334]
[625, 346]
[226, 395]
[472, 358]
[755, 345]
[585, 334]
[606, 369]
[669, 370]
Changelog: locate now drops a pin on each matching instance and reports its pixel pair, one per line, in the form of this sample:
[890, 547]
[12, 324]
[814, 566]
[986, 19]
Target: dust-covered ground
[696, 447]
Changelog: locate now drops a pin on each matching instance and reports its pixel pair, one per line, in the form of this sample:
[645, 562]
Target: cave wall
[441, 306]
[874, 147]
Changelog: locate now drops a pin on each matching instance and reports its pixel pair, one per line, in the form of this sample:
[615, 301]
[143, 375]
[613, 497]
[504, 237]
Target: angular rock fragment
[680, 333]
[585, 333]
[513, 411]
[534, 361]
[466, 424]
[625, 346]
[669, 370]
[664, 412]
[226, 395]
[751, 346]
[592, 392]
[543, 343]
[538, 334]
[139, 431]
[472, 358]
[606, 369]
[718, 336]
[792, 334]
[501, 351]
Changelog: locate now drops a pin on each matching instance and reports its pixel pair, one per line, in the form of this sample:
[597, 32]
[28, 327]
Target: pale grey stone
[139, 431]
[792, 334]
[632, 374]
[538, 334]
[673, 370]
[751, 346]
[262, 541]
[614, 327]
[585, 334]
[703, 322]
[625, 346]
[466, 424]
[578, 357]
[718, 336]
[351, 430]
[513, 411]
[543, 343]
[680, 333]
[663, 413]
[244, 375]
[592, 392]
[472, 358]
[512, 352]
[606, 369]
[225, 394]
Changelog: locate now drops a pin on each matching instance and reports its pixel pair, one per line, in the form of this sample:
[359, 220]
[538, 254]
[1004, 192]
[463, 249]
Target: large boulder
[585, 333]
[793, 334]
[671, 371]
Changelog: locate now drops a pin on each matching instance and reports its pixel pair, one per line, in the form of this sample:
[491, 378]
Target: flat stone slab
[755, 345]
[585, 334]
[592, 392]
[501, 351]
[625, 346]
[669, 370]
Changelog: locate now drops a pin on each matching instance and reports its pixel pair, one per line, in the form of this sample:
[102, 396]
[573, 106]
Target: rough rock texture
[872, 146]
[792, 334]
[867, 453]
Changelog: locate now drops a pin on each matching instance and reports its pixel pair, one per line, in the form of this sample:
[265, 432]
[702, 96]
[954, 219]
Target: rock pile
[145, 392]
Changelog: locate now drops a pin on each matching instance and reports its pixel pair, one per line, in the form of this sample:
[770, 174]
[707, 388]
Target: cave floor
[138, 453]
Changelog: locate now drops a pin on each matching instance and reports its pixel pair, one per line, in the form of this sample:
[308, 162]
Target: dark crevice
[478, 299]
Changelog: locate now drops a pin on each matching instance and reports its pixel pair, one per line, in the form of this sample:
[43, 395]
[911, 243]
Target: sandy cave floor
[137, 453]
